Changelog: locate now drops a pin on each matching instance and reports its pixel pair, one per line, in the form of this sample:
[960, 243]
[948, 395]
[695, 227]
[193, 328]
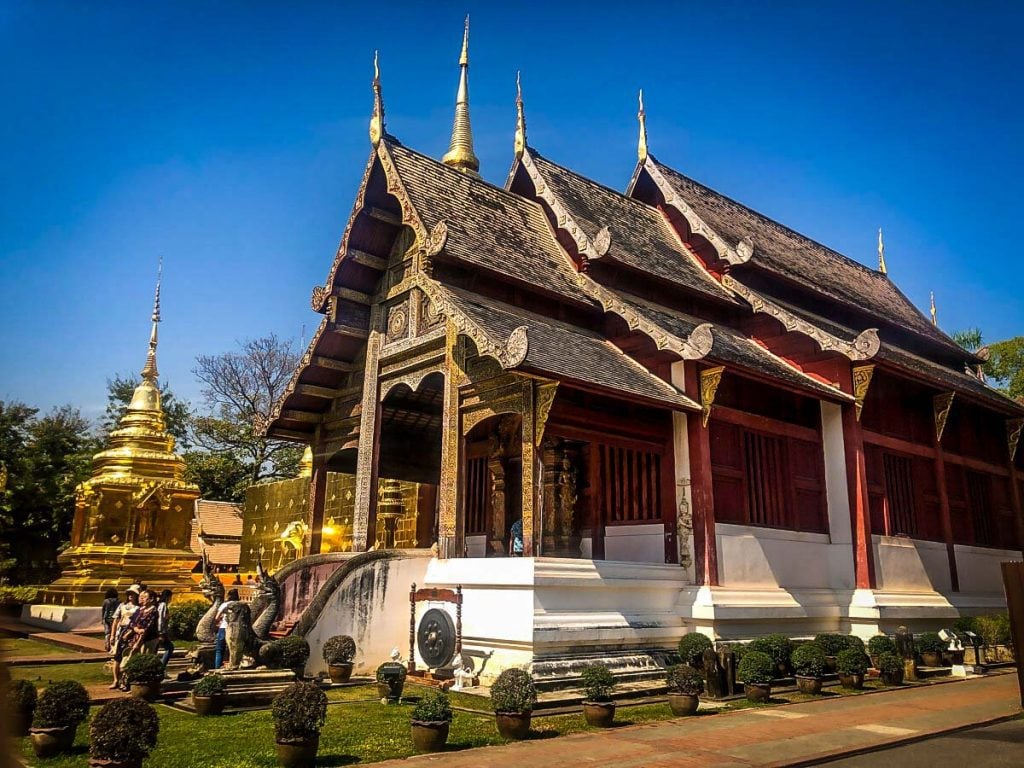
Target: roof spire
[149, 372]
[460, 153]
[377, 119]
[935, 316]
[881, 254]
[641, 149]
[520, 140]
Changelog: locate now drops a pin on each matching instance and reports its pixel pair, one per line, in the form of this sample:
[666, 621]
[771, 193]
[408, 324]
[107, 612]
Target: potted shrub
[809, 664]
[692, 647]
[756, 669]
[852, 665]
[878, 645]
[59, 711]
[431, 719]
[209, 695]
[930, 646]
[890, 668]
[831, 644]
[299, 713]
[685, 685]
[513, 696]
[338, 653]
[21, 704]
[144, 672]
[778, 647]
[598, 684]
[122, 734]
[390, 681]
[290, 652]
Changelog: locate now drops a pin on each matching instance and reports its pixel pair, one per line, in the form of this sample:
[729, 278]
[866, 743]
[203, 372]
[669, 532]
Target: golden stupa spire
[641, 149]
[935, 315]
[520, 140]
[149, 372]
[377, 119]
[881, 254]
[306, 463]
[460, 153]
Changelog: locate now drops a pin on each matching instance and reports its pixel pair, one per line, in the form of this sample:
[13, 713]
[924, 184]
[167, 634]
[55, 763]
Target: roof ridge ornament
[460, 154]
[881, 254]
[149, 371]
[641, 149]
[935, 315]
[377, 119]
[520, 138]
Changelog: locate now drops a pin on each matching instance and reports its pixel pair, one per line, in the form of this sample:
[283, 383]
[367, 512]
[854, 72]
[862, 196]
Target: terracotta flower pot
[106, 762]
[758, 692]
[430, 735]
[209, 705]
[47, 742]
[851, 681]
[931, 658]
[892, 678]
[20, 723]
[340, 673]
[809, 685]
[146, 691]
[600, 714]
[683, 704]
[513, 725]
[298, 754]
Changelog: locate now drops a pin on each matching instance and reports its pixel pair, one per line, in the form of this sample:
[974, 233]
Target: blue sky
[230, 138]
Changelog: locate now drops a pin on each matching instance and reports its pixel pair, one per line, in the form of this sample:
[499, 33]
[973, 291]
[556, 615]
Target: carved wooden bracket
[1013, 430]
[318, 301]
[710, 378]
[861, 381]
[941, 405]
[543, 400]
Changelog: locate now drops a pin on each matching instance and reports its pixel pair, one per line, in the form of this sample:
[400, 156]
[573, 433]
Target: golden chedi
[133, 515]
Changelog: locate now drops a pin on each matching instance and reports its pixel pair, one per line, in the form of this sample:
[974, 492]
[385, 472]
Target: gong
[435, 639]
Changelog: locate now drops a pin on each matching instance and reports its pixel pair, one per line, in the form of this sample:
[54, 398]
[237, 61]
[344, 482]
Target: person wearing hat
[120, 629]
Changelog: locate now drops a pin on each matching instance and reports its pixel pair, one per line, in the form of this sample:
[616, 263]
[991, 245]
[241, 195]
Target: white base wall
[635, 543]
[59, 618]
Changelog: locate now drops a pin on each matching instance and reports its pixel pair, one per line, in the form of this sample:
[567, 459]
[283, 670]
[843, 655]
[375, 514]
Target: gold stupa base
[89, 571]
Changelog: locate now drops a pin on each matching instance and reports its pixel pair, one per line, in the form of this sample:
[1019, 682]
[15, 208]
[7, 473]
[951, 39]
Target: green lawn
[85, 673]
[23, 646]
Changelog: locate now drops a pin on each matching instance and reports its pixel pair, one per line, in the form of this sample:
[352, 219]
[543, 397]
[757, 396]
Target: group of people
[136, 624]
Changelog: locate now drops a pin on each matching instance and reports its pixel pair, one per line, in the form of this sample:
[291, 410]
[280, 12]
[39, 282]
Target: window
[899, 494]
[477, 492]
[630, 485]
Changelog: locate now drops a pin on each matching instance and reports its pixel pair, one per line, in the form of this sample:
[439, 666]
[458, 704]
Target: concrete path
[73, 640]
[795, 734]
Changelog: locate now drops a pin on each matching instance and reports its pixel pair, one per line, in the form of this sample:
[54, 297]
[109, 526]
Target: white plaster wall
[635, 543]
[372, 606]
[749, 556]
[910, 565]
[978, 570]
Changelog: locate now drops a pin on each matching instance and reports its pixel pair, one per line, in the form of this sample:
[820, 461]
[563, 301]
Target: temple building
[699, 419]
[217, 530]
[132, 516]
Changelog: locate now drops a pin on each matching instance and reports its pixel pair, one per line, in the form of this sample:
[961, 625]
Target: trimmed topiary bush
[880, 644]
[809, 660]
[340, 649]
[290, 652]
[684, 679]
[756, 668]
[598, 682]
[183, 618]
[890, 664]
[513, 691]
[299, 712]
[389, 666]
[434, 707]
[851, 662]
[833, 644]
[61, 704]
[692, 647]
[123, 730]
[21, 697]
[777, 646]
[930, 642]
[210, 685]
[143, 669]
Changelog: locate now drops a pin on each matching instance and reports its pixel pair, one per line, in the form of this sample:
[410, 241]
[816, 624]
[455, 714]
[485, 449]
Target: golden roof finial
[935, 316]
[641, 149]
[460, 153]
[881, 254]
[377, 119]
[149, 372]
[520, 140]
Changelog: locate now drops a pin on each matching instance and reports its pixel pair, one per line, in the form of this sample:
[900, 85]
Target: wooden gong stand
[434, 594]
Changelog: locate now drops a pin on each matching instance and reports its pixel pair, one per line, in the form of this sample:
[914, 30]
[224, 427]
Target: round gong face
[435, 639]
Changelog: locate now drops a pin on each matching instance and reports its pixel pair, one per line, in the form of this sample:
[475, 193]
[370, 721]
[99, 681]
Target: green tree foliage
[219, 474]
[46, 457]
[178, 413]
[968, 338]
[1006, 365]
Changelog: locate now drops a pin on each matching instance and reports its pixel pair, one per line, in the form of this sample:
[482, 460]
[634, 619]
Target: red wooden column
[705, 543]
[317, 497]
[857, 486]
[947, 522]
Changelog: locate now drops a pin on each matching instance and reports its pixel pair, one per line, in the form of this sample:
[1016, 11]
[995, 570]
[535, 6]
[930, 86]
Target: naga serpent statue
[245, 637]
[206, 629]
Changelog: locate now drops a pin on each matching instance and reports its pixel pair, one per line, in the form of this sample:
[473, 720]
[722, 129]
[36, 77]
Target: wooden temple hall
[655, 376]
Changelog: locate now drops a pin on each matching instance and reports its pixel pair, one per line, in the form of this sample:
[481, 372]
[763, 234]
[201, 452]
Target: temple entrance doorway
[492, 486]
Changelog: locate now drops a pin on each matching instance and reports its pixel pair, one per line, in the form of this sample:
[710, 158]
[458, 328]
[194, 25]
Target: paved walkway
[73, 640]
[796, 734]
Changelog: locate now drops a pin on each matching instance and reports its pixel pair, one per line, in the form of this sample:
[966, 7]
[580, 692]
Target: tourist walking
[163, 643]
[222, 627]
[110, 603]
[120, 630]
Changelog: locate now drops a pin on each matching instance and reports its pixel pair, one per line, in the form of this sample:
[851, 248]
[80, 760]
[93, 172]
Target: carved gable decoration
[861, 381]
[710, 378]
[1013, 430]
[941, 405]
